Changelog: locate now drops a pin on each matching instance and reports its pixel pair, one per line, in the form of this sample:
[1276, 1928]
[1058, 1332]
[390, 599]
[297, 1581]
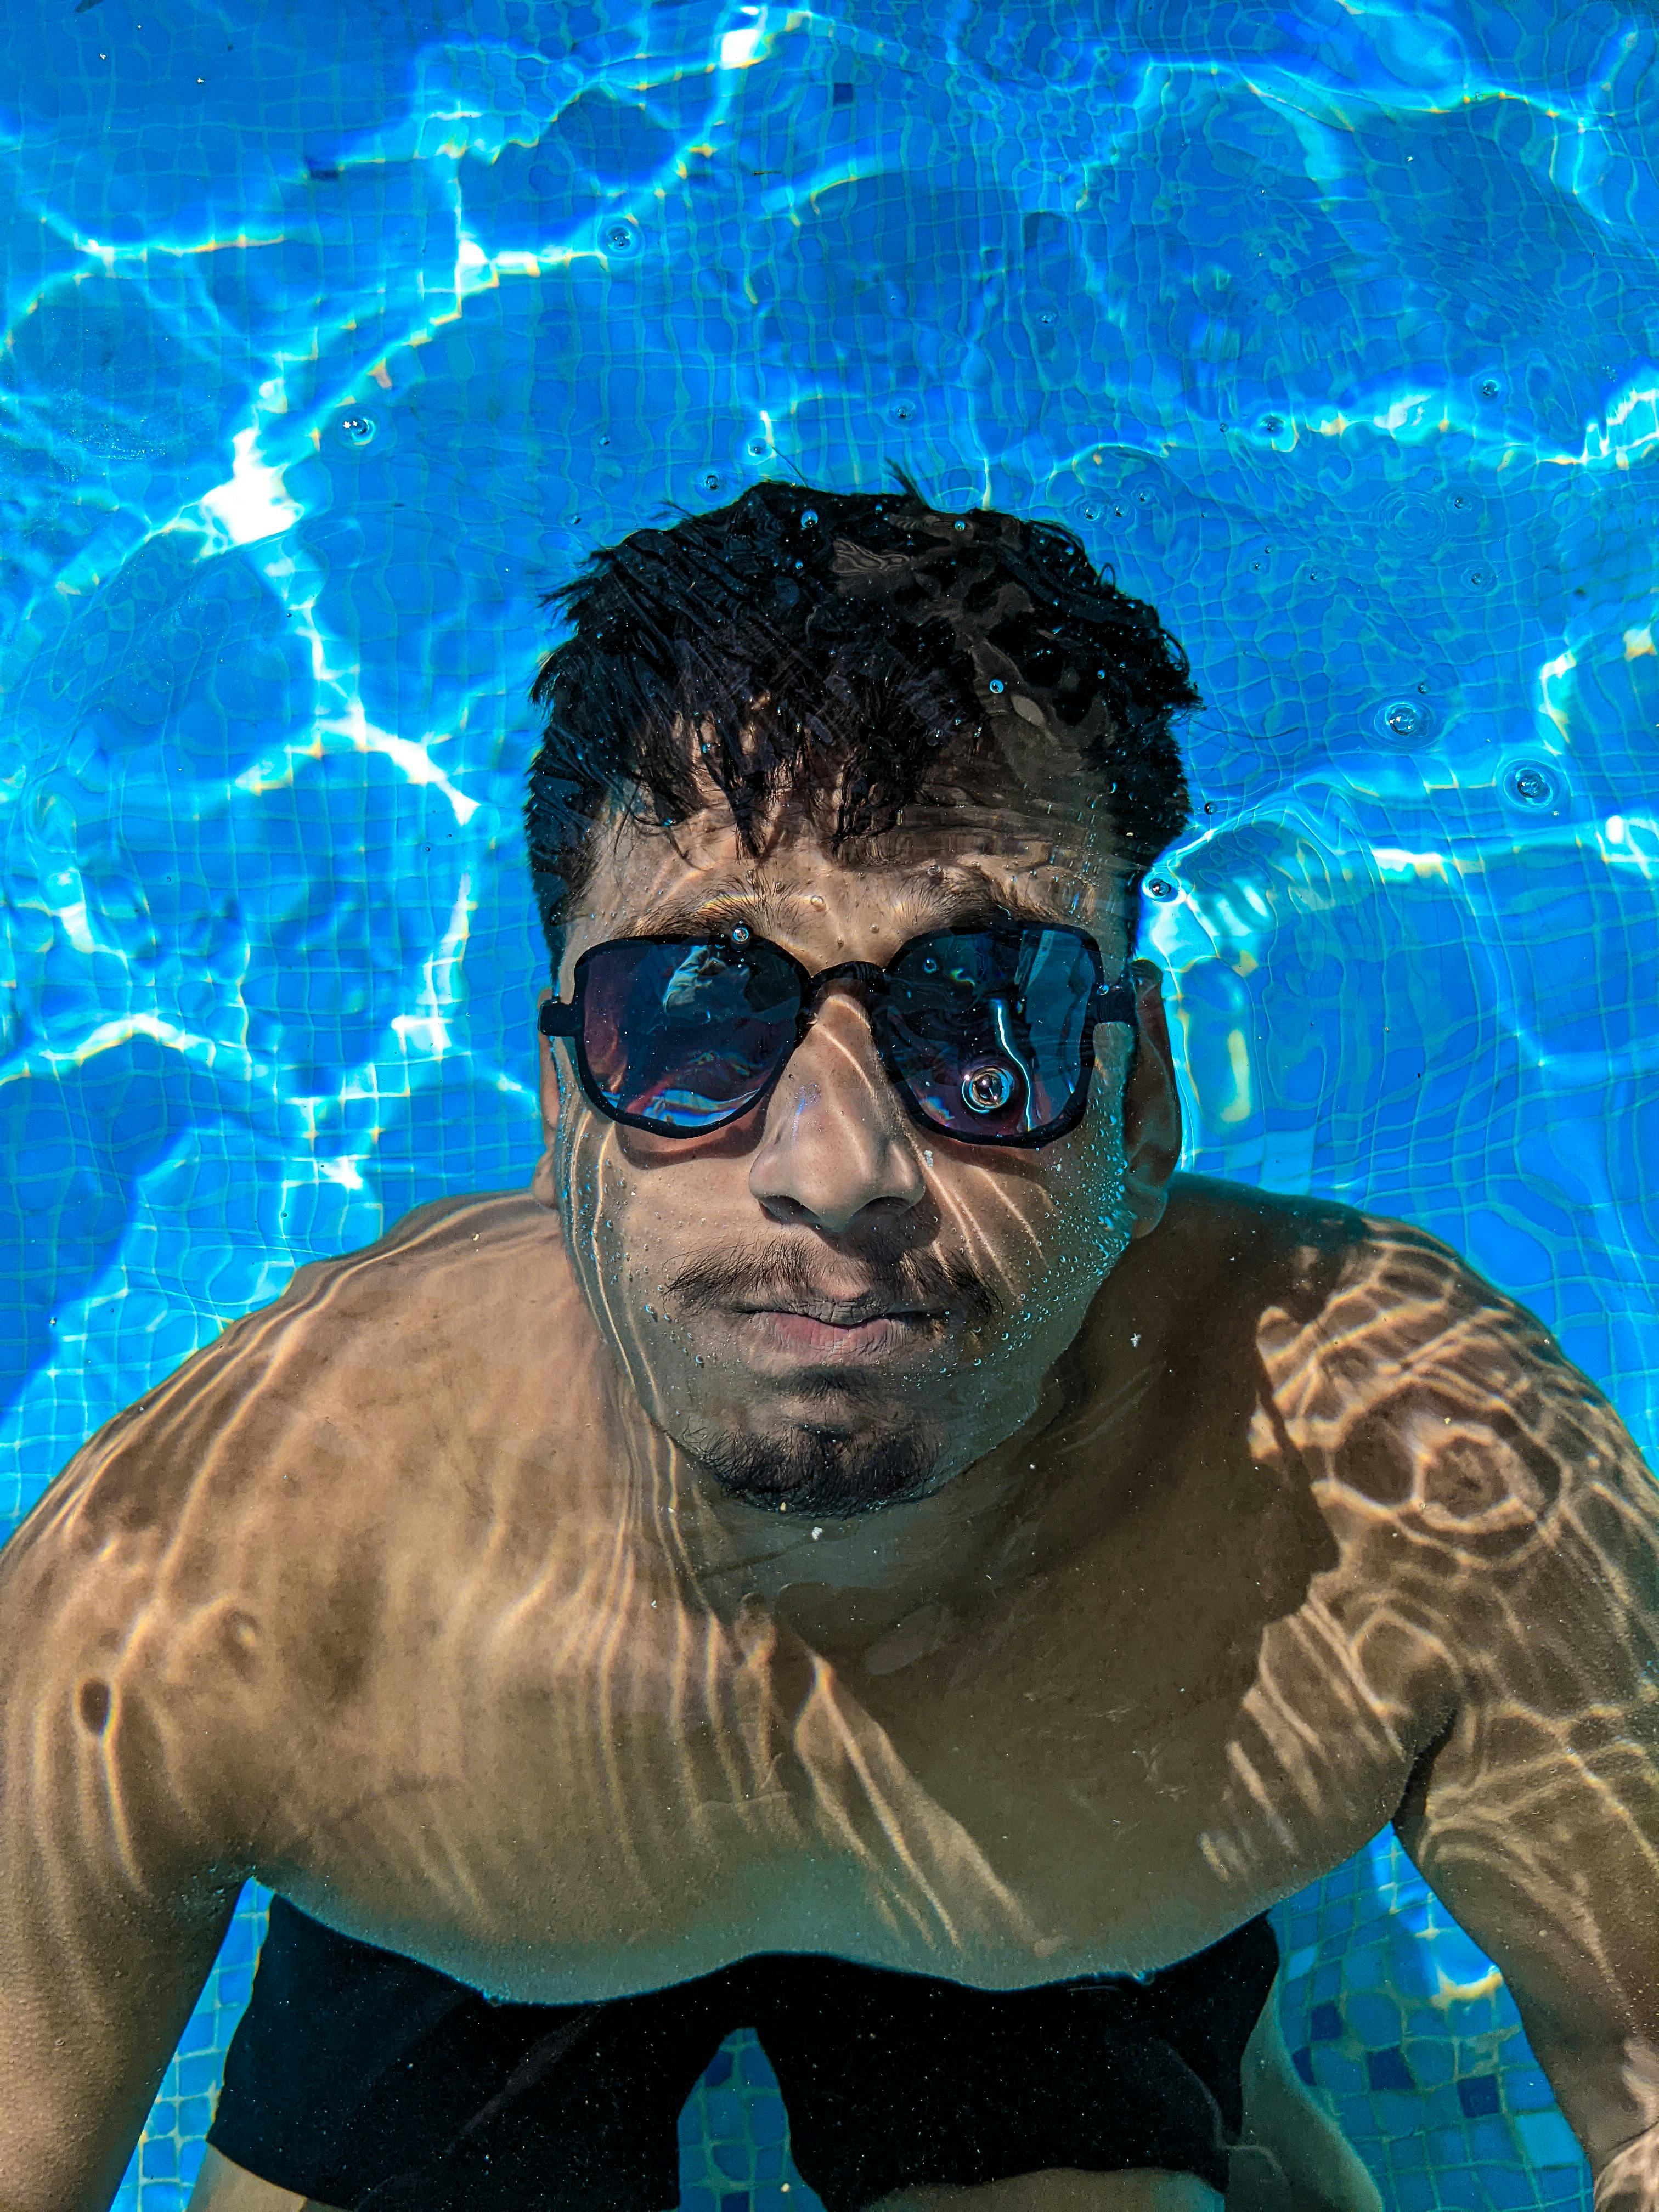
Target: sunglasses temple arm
[556, 1019]
[1116, 1003]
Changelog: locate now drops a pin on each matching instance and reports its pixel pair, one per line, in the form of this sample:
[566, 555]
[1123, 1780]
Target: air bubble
[356, 429]
[757, 448]
[1273, 424]
[809, 515]
[962, 526]
[1405, 722]
[1160, 887]
[620, 238]
[710, 480]
[1531, 784]
[988, 1087]
[996, 685]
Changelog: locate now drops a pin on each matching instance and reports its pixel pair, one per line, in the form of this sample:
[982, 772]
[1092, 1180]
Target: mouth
[833, 1333]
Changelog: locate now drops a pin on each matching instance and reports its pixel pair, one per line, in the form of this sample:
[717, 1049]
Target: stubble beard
[833, 1472]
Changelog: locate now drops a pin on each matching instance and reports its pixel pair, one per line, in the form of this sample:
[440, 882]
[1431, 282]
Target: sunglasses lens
[683, 1036]
[988, 1028]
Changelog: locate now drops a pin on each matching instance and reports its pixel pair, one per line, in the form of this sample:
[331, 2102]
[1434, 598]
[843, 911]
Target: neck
[844, 1584]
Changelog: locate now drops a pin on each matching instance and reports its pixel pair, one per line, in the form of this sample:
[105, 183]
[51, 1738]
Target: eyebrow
[964, 899]
[715, 909]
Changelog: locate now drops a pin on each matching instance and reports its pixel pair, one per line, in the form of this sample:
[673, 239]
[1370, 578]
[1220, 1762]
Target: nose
[836, 1152]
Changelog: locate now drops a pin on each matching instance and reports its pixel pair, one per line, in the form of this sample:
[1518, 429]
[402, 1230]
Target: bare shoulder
[402, 1318]
[1453, 1536]
[254, 1487]
[1426, 1392]
[1458, 1454]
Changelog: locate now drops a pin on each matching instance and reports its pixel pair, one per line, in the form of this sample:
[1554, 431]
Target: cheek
[629, 1207]
[1072, 1213]
[596, 1195]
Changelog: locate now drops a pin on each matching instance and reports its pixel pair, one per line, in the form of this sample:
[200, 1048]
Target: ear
[547, 1088]
[547, 1092]
[1151, 1105]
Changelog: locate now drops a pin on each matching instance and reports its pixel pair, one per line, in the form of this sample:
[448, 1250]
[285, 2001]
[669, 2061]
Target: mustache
[783, 1277]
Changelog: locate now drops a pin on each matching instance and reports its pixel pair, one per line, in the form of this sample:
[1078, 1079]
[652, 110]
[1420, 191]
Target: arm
[1490, 1621]
[1536, 1815]
[223, 2186]
[109, 1917]
[1291, 2155]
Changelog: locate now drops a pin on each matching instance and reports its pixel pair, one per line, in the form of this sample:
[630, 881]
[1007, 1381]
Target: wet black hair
[846, 641]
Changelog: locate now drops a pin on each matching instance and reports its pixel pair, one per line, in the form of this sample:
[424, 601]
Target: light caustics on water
[331, 344]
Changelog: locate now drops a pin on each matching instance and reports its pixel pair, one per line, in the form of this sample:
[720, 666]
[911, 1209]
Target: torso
[421, 1650]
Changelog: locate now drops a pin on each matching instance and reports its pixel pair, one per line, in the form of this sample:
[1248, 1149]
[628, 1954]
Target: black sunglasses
[987, 1035]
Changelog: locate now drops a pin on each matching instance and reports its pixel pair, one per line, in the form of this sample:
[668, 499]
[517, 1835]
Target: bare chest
[562, 1793]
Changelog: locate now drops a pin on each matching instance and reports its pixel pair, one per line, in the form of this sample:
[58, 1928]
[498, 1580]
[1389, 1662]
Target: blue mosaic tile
[1479, 2093]
[1388, 2073]
[1492, 2143]
[1508, 2187]
[1414, 2192]
[1325, 2024]
[1547, 2139]
[1527, 2090]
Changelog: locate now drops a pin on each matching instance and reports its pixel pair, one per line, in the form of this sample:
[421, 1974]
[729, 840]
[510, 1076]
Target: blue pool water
[334, 335]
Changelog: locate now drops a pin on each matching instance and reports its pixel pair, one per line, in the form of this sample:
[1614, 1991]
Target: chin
[827, 1472]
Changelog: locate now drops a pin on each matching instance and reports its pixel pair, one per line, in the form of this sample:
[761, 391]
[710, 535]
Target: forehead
[938, 865]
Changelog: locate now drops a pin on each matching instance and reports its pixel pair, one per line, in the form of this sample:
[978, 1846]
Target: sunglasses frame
[1111, 1002]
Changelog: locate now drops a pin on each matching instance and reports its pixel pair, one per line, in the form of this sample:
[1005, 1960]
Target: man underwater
[861, 1549]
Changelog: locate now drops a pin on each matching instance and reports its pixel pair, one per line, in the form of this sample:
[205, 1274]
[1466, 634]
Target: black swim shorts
[361, 2079]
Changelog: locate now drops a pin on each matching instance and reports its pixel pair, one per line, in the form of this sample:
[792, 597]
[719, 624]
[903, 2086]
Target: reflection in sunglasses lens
[987, 1030]
[683, 1037]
